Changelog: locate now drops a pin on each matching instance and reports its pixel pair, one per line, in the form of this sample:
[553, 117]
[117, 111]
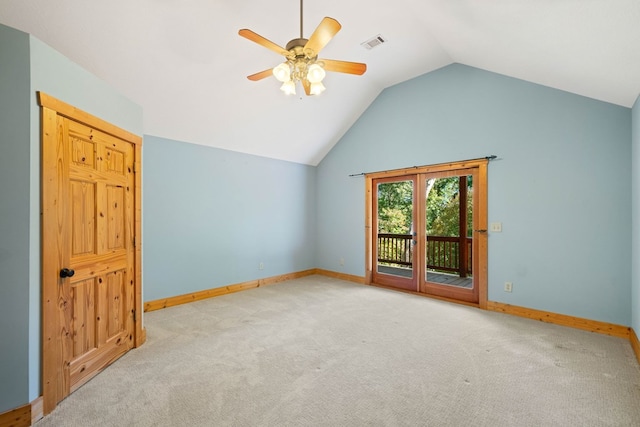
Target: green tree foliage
[395, 201]
[443, 202]
[443, 199]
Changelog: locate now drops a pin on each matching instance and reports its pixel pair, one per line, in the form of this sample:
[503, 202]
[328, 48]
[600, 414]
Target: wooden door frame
[480, 234]
[51, 107]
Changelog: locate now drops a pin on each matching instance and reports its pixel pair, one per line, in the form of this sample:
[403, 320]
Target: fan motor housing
[296, 48]
[296, 43]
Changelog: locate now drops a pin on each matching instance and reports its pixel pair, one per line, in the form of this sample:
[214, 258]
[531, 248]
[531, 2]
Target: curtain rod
[489, 158]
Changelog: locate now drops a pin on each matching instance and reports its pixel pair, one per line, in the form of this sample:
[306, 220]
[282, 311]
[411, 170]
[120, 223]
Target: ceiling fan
[302, 63]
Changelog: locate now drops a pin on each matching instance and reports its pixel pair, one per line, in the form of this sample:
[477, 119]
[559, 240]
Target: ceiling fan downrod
[301, 19]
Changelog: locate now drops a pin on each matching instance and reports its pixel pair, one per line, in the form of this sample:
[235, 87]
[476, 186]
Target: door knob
[66, 272]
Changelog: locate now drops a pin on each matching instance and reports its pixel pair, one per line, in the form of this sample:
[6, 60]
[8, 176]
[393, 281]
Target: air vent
[374, 41]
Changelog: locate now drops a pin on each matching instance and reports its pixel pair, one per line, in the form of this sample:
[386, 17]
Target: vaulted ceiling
[185, 64]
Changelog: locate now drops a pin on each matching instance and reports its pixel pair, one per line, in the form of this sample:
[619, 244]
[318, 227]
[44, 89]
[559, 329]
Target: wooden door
[90, 266]
[394, 234]
[450, 253]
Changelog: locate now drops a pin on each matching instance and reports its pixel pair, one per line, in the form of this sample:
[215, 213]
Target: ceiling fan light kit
[302, 64]
[288, 87]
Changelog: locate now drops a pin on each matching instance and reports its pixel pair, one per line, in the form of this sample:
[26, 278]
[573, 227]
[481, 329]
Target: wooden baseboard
[635, 344]
[342, 276]
[37, 410]
[561, 319]
[19, 417]
[224, 290]
[26, 415]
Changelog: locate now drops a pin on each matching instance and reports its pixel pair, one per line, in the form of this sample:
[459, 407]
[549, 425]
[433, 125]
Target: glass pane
[448, 247]
[395, 228]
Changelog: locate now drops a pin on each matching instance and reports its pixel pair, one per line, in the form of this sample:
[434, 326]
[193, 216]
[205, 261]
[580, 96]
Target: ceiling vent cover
[374, 41]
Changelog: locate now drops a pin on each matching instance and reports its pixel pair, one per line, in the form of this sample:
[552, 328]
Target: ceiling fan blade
[328, 28]
[307, 86]
[257, 38]
[261, 75]
[357, 68]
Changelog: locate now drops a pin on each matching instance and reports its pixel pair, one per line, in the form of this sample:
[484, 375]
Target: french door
[396, 238]
[428, 230]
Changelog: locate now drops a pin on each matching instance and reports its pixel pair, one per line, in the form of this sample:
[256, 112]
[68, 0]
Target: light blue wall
[212, 216]
[635, 253]
[14, 218]
[561, 186]
[26, 66]
[56, 75]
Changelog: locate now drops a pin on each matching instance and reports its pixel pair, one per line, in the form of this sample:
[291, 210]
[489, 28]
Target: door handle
[480, 231]
[67, 272]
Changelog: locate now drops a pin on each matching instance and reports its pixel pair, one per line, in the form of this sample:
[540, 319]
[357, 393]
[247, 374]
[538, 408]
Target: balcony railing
[443, 253]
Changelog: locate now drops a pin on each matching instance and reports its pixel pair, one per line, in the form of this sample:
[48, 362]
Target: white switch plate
[496, 227]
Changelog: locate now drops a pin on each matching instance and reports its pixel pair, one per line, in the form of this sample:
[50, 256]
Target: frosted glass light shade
[282, 72]
[315, 74]
[288, 87]
[317, 88]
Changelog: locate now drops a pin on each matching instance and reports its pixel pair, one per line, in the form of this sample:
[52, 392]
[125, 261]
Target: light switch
[496, 227]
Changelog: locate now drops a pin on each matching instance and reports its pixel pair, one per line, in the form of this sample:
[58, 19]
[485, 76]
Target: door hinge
[134, 241]
[134, 316]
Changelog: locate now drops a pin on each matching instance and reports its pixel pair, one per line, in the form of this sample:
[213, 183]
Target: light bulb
[282, 72]
[288, 87]
[315, 74]
[317, 88]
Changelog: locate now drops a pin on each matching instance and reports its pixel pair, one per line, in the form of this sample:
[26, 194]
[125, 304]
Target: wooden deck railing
[443, 253]
[395, 248]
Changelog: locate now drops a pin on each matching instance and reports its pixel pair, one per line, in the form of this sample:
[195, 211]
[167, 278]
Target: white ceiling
[185, 64]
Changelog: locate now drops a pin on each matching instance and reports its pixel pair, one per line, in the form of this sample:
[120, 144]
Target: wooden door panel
[83, 309]
[82, 152]
[114, 301]
[90, 267]
[83, 218]
[115, 204]
[114, 161]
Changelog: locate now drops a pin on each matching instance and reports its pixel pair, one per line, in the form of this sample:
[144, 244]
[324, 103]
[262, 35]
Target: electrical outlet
[496, 227]
[341, 261]
[261, 266]
[508, 286]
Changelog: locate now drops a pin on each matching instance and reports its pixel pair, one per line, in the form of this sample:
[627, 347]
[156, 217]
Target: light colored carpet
[322, 352]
